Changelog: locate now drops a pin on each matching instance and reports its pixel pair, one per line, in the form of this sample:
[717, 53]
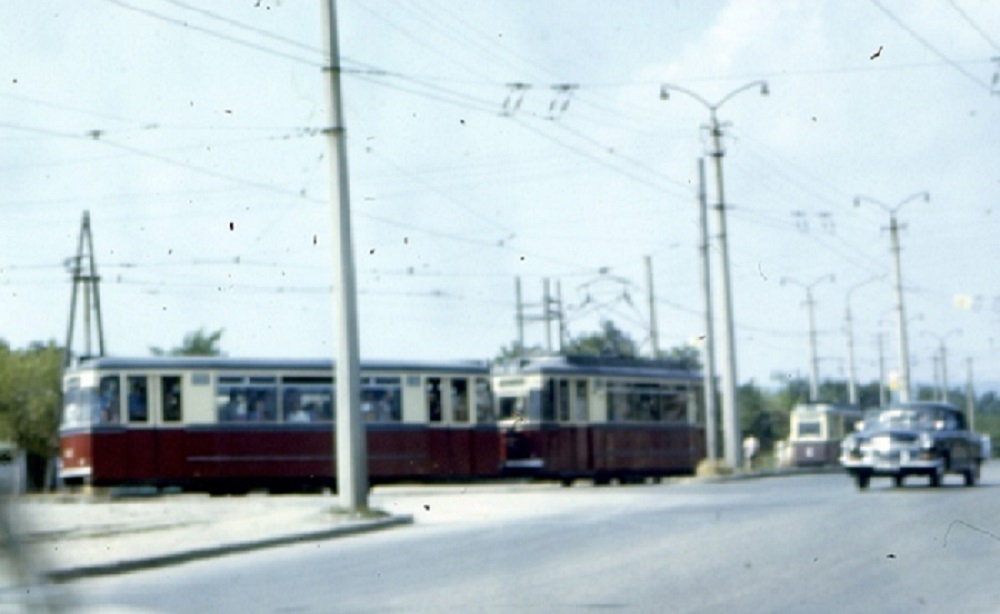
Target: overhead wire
[930, 47]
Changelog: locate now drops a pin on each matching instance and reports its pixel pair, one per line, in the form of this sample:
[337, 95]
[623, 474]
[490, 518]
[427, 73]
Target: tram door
[171, 445]
[141, 452]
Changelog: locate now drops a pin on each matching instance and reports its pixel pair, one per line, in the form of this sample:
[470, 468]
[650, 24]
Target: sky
[497, 140]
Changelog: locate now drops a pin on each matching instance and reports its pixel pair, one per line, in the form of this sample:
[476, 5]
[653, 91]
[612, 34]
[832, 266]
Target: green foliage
[688, 356]
[197, 343]
[515, 351]
[31, 396]
[610, 341]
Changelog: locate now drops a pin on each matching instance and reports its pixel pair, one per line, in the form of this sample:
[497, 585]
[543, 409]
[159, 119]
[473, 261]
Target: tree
[515, 351]
[687, 356]
[197, 343]
[610, 341]
[31, 402]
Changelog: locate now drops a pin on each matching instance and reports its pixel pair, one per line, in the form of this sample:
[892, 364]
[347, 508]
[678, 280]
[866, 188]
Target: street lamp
[944, 358]
[852, 384]
[904, 350]
[730, 407]
[810, 303]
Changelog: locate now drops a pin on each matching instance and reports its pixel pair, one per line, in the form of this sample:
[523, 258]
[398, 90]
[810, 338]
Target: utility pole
[349, 429]
[732, 428]
[711, 428]
[520, 317]
[904, 348]
[811, 304]
[970, 395]
[547, 314]
[883, 391]
[852, 381]
[561, 315]
[91, 293]
[654, 333]
[942, 357]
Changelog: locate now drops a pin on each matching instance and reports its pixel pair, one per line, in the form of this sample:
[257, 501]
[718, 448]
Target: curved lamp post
[732, 430]
[904, 349]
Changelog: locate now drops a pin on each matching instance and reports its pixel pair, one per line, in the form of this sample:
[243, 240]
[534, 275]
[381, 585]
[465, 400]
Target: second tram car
[574, 417]
[232, 425]
[816, 431]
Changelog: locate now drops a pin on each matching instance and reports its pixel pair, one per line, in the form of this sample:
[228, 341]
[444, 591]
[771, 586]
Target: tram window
[308, 403]
[582, 409]
[459, 400]
[381, 400]
[238, 401]
[73, 407]
[511, 408]
[617, 404]
[562, 400]
[434, 398]
[138, 400]
[484, 401]
[109, 409]
[171, 397]
[547, 401]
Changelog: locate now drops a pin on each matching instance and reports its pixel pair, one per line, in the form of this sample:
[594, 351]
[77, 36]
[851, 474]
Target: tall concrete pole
[520, 316]
[711, 428]
[852, 382]
[547, 315]
[732, 428]
[942, 357]
[654, 332]
[813, 356]
[883, 390]
[349, 428]
[970, 396]
[904, 348]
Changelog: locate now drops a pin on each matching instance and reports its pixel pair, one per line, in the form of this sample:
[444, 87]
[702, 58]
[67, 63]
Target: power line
[923, 41]
[214, 34]
[975, 26]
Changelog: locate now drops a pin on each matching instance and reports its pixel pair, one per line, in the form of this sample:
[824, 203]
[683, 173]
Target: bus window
[109, 409]
[459, 400]
[170, 387]
[811, 428]
[138, 403]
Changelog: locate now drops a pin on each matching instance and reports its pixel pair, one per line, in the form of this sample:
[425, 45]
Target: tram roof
[219, 363]
[601, 365]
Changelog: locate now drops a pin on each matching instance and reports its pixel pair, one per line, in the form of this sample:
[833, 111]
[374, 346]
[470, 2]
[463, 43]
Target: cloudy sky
[493, 140]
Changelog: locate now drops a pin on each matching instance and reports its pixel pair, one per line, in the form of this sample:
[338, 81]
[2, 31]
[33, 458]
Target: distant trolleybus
[816, 430]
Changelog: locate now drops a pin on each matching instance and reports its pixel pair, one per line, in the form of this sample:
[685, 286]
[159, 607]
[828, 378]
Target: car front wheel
[972, 475]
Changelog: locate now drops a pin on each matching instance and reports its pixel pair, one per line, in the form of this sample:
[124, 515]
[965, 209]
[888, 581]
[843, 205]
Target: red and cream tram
[570, 417]
[231, 425]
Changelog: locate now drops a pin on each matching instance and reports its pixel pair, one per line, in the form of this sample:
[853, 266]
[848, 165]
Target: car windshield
[900, 418]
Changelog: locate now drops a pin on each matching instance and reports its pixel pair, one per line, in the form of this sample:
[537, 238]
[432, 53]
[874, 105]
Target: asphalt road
[791, 544]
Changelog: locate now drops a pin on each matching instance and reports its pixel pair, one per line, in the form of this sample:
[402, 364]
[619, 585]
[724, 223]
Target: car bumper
[892, 464]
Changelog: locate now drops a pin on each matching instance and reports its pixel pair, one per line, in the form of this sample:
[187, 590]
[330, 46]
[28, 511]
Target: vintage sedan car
[927, 439]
